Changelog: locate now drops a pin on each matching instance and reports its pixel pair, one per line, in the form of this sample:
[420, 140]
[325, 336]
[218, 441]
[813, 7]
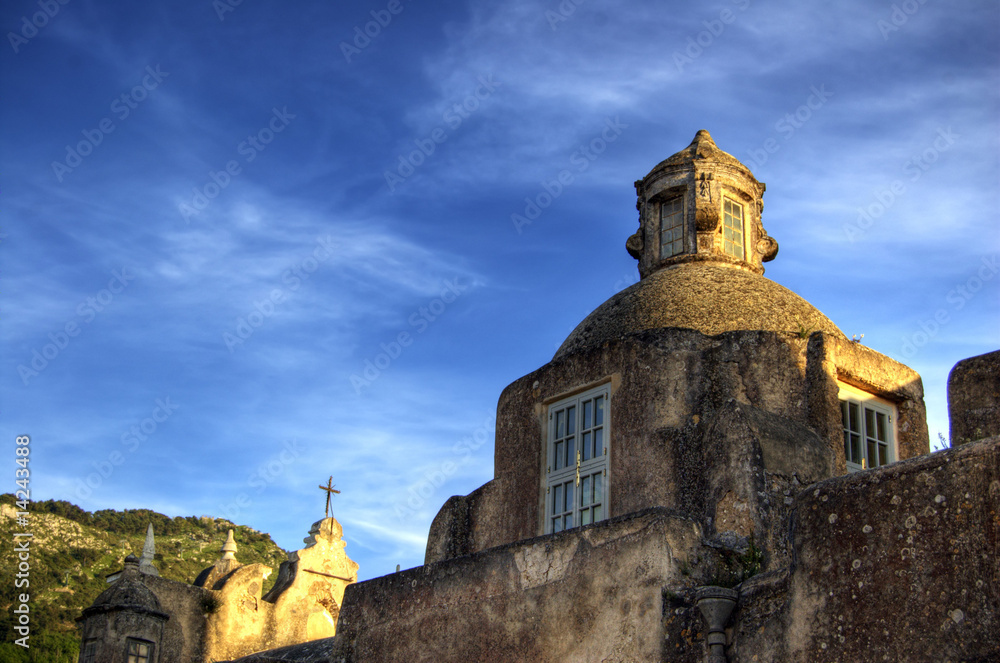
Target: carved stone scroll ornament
[767, 248]
[707, 216]
[634, 244]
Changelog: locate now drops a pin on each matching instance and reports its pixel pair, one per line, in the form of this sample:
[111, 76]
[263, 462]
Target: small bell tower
[699, 205]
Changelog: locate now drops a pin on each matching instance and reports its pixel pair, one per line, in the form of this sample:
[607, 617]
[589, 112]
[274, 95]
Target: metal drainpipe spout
[716, 605]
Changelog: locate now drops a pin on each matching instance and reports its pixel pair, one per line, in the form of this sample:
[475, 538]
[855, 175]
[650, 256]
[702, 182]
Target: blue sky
[217, 217]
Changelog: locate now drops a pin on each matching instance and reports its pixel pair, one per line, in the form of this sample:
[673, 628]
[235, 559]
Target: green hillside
[72, 551]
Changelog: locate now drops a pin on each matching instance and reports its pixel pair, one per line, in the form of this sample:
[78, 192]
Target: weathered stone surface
[317, 651]
[832, 359]
[225, 616]
[667, 387]
[189, 609]
[703, 296]
[751, 461]
[148, 553]
[974, 398]
[698, 180]
[899, 563]
[303, 605]
[127, 609]
[590, 594]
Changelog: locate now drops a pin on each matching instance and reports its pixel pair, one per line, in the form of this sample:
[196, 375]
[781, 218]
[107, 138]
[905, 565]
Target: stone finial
[701, 204]
[229, 547]
[131, 565]
[214, 576]
[148, 553]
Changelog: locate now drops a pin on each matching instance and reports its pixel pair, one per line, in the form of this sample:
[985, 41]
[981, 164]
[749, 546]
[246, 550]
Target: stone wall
[897, 563]
[667, 387]
[189, 608]
[974, 398]
[833, 359]
[591, 594]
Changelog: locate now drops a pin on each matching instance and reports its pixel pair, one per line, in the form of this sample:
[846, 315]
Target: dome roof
[702, 148]
[127, 593]
[704, 296]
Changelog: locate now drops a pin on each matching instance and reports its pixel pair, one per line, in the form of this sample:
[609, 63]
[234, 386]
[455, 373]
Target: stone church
[708, 469]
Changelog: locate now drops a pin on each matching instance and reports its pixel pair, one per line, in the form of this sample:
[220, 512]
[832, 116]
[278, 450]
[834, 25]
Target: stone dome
[704, 296]
[702, 148]
[127, 593]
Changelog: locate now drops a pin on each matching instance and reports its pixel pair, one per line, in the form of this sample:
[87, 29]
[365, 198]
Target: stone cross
[330, 490]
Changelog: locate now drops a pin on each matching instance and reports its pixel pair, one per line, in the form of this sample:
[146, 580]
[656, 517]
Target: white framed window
[732, 228]
[577, 460]
[672, 227]
[139, 651]
[869, 427]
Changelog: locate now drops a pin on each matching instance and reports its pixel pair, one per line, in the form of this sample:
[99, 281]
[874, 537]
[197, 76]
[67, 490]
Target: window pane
[732, 228]
[869, 422]
[847, 446]
[597, 513]
[880, 420]
[856, 448]
[883, 454]
[855, 417]
[843, 414]
[671, 227]
[576, 435]
[872, 454]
